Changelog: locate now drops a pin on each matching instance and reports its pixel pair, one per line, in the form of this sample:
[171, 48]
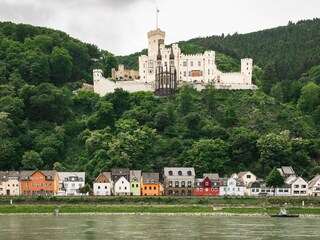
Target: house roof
[135, 174]
[120, 171]
[254, 185]
[286, 170]
[211, 176]
[241, 174]
[292, 179]
[107, 175]
[64, 175]
[13, 174]
[122, 179]
[49, 173]
[185, 171]
[314, 180]
[3, 176]
[150, 178]
[25, 175]
[223, 181]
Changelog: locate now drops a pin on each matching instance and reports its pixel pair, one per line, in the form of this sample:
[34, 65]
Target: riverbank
[147, 210]
[163, 200]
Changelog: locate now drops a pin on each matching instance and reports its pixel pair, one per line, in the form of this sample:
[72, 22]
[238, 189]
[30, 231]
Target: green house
[135, 177]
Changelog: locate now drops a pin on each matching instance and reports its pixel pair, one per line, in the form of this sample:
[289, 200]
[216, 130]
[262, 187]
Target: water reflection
[156, 227]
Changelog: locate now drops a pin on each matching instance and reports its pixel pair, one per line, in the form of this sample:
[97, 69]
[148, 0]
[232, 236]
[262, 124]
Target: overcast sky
[121, 26]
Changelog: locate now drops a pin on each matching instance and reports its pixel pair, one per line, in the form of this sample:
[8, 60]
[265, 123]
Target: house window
[150, 188]
[296, 186]
[201, 189]
[105, 187]
[189, 183]
[208, 71]
[176, 183]
[170, 183]
[125, 188]
[209, 61]
[184, 73]
[286, 190]
[179, 173]
[248, 176]
[119, 188]
[154, 188]
[189, 173]
[183, 183]
[206, 184]
[137, 185]
[170, 173]
[145, 188]
[132, 185]
[98, 187]
[303, 186]
[189, 192]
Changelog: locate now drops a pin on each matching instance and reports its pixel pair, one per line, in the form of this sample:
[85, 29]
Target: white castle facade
[198, 69]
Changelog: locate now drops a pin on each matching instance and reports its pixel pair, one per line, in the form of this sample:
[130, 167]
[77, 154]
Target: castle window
[191, 63]
[184, 73]
[199, 63]
[150, 64]
[208, 61]
[247, 68]
[208, 71]
[184, 63]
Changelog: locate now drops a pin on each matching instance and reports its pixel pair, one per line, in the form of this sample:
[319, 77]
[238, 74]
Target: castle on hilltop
[198, 69]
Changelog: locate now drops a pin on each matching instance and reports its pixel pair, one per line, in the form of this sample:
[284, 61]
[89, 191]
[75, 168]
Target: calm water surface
[157, 227]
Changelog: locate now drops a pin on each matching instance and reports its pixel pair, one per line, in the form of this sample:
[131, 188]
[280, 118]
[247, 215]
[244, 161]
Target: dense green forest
[44, 125]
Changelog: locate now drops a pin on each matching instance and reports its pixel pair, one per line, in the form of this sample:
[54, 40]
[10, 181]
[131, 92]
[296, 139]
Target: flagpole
[157, 18]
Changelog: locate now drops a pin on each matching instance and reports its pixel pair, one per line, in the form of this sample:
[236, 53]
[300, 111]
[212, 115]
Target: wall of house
[299, 187]
[150, 189]
[231, 189]
[102, 189]
[135, 188]
[38, 185]
[122, 187]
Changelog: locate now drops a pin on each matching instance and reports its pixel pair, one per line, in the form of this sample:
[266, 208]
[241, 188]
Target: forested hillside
[44, 125]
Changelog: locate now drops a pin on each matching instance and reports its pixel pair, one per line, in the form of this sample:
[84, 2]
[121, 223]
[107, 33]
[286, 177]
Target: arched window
[180, 173]
[189, 173]
[170, 173]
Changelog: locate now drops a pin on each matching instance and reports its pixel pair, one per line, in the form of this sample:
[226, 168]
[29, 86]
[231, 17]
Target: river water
[157, 227]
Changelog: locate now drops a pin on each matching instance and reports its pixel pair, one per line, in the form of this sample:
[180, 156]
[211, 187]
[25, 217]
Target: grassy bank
[163, 200]
[152, 209]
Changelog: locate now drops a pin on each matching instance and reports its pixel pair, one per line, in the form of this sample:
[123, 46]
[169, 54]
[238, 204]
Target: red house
[206, 187]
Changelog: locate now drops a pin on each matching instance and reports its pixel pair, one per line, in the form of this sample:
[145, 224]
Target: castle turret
[153, 41]
[97, 74]
[246, 69]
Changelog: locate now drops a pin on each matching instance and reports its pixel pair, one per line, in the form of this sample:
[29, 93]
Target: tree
[309, 98]
[31, 160]
[185, 99]
[85, 189]
[275, 150]
[274, 178]
[207, 155]
[60, 65]
[269, 78]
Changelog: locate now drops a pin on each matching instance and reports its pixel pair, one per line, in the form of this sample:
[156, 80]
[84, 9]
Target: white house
[231, 187]
[122, 187]
[254, 189]
[70, 183]
[299, 187]
[103, 185]
[10, 183]
[314, 186]
[246, 178]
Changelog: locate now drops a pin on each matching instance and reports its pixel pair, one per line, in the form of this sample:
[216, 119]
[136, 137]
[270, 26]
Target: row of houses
[177, 181]
[41, 182]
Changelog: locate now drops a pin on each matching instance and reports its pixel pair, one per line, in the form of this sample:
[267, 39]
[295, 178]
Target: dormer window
[179, 173]
[170, 173]
[189, 173]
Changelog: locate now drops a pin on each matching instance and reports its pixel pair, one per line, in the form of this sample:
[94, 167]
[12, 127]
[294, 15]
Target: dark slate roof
[3, 176]
[49, 174]
[135, 174]
[120, 171]
[25, 175]
[150, 178]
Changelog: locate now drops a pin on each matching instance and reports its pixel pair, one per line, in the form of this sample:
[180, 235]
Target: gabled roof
[150, 178]
[185, 171]
[211, 176]
[107, 175]
[292, 179]
[241, 174]
[120, 171]
[234, 175]
[25, 175]
[64, 175]
[122, 179]
[314, 180]
[135, 174]
[49, 174]
[286, 171]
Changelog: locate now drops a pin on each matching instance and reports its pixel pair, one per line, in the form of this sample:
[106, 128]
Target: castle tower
[246, 69]
[97, 75]
[153, 41]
